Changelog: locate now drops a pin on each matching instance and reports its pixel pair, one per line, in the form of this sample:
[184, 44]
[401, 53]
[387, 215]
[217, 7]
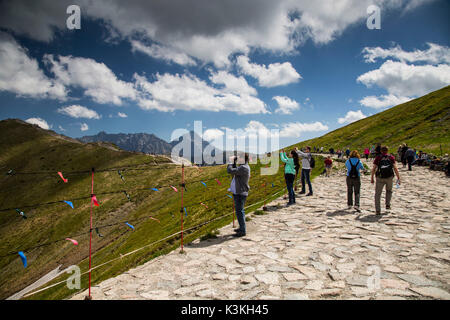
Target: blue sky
[305, 68]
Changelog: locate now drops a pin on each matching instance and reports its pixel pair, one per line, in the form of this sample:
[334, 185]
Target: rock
[291, 276]
[314, 285]
[357, 280]
[392, 269]
[346, 267]
[433, 292]
[247, 279]
[307, 271]
[275, 290]
[417, 280]
[248, 269]
[268, 278]
[395, 284]
[296, 296]
[208, 293]
[155, 295]
[219, 276]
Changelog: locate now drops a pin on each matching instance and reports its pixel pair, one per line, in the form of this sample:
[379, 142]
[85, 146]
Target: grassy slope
[423, 123]
[26, 148]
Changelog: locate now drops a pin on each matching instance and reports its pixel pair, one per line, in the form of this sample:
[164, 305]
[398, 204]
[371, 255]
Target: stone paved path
[316, 249]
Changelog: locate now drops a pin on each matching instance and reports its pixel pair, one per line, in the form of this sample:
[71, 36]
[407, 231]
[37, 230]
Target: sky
[303, 68]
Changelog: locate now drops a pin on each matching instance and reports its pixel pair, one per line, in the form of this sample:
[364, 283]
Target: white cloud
[295, 129]
[210, 33]
[77, 111]
[404, 80]
[61, 128]
[384, 101]
[232, 84]
[164, 53]
[84, 127]
[40, 122]
[275, 74]
[187, 92]
[122, 115]
[212, 134]
[435, 54]
[352, 116]
[21, 74]
[286, 105]
[97, 80]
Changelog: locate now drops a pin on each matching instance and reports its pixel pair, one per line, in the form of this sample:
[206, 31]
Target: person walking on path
[240, 188]
[403, 157]
[328, 165]
[410, 156]
[290, 173]
[354, 165]
[384, 167]
[306, 170]
[347, 153]
[378, 150]
[366, 153]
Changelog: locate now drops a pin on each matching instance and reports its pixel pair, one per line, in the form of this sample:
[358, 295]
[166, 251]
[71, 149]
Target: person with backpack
[354, 165]
[308, 163]
[347, 153]
[290, 172]
[410, 156]
[384, 167]
[328, 165]
[366, 153]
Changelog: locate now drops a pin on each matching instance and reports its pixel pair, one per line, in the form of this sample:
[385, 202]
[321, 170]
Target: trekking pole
[182, 204]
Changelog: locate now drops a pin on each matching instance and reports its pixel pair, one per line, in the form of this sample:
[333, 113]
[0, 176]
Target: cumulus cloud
[122, 115]
[84, 127]
[295, 129]
[383, 101]
[21, 74]
[286, 105]
[212, 134]
[232, 84]
[77, 111]
[187, 92]
[275, 74]
[352, 116]
[402, 79]
[210, 31]
[39, 122]
[164, 53]
[97, 80]
[435, 54]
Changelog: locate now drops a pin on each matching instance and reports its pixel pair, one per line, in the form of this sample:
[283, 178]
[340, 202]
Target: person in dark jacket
[410, 156]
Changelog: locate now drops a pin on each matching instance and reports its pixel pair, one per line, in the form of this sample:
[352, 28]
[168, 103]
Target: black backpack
[385, 168]
[353, 170]
[312, 162]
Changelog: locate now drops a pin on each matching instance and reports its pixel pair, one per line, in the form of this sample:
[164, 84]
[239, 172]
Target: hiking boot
[309, 194]
[239, 234]
[236, 230]
[357, 209]
[302, 192]
[349, 208]
[378, 213]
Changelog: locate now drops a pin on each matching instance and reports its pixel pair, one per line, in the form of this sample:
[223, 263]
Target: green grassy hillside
[423, 123]
[29, 149]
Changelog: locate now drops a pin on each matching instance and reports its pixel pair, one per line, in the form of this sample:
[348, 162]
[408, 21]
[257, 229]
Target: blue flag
[69, 203]
[154, 189]
[129, 225]
[24, 259]
[185, 211]
[203, 183]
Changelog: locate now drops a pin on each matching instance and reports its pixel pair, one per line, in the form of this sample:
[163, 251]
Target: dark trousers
[410, 161]
[239, 202]
[353, 187]
[290, 186]
[306, 179]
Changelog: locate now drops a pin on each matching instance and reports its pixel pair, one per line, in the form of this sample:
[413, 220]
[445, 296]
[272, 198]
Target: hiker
[240, 188]
[354, 165]
[410, 156]
[290, 172]
[347, 153]
[366, 153]
[378, 150]
[328, 165]
[403, 157]
[384, 166]
[307, 164]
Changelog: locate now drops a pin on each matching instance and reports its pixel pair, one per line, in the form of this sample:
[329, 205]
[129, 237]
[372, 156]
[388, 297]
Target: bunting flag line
[204, 205]
[132, 227]
[174, 189]
[24, 258]
[154, 219]
[94, 199]
[203, 183]
[75, 242]
[69, 203]
[126, 194]
[218, 182]
[61, 175]
[21, 213]
[98, 232]
[120, 174]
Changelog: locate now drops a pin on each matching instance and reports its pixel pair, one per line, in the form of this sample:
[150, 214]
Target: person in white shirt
[306, 170]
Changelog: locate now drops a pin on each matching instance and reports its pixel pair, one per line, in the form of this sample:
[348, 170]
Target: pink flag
[204, 205]
[75, 242]
[217, 180]
[155, 219]
[174, 189]
[61, 175]
[94, 199]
